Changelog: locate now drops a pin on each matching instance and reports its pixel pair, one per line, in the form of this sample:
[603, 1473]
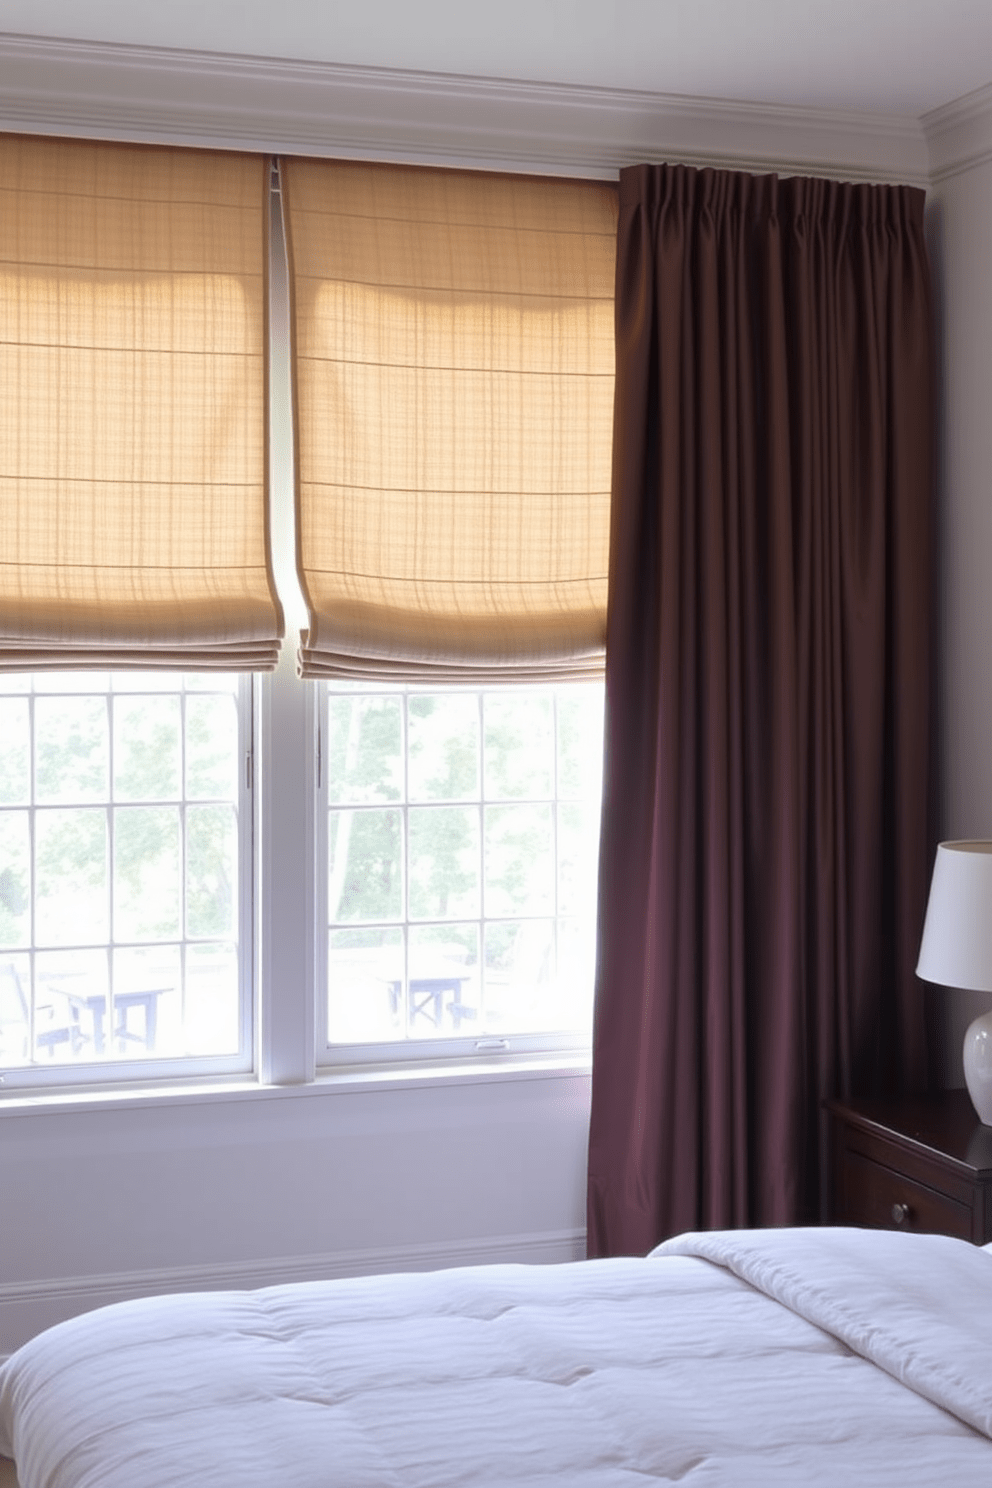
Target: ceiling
[889, 56]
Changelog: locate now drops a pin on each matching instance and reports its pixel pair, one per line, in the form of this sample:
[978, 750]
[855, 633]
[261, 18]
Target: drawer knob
[900, 1213]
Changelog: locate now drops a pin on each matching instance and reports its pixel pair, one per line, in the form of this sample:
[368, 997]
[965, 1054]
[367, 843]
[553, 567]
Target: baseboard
[27, 1308]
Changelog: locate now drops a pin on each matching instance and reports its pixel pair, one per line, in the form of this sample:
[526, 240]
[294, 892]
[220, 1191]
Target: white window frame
[197, 1068]
[454, 1048]
[283, 942]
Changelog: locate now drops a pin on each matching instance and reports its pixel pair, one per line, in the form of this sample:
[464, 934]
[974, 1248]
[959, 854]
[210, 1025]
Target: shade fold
[133, 444]
[453, 383]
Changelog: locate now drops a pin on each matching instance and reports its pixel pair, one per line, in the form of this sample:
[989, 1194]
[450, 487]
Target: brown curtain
[765, 834]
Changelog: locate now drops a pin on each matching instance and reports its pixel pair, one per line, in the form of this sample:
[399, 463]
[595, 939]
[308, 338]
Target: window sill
[357, 1079]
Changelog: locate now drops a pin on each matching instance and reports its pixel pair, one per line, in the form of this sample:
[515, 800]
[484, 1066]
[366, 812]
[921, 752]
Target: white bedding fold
[918, 1306]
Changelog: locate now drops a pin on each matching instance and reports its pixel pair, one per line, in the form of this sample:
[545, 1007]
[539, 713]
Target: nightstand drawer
[876, 1196]
[916, 1163]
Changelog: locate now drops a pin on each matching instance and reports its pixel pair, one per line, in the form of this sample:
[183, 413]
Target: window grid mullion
[248, 789]
[33, 870]
[110, 704]
[405, 859]
[182, 849]
[555, 805]
[481, 808]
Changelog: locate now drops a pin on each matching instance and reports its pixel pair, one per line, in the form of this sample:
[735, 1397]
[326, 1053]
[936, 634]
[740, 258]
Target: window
[399, 870]
[462, 837]
[134, 541]
[125, 824]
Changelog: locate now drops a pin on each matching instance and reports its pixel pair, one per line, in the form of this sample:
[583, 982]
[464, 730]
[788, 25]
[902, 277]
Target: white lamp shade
[957, 935]
[957, 949]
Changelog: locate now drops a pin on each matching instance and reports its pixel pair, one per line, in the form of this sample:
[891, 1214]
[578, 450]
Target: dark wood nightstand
[919, 1163]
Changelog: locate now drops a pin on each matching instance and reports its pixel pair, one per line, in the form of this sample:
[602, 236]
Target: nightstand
[917, 1163]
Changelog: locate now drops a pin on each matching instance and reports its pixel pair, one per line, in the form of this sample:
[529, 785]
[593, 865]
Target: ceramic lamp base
[978, 1066]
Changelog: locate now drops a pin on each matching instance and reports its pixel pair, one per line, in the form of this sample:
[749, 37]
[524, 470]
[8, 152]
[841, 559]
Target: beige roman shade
[134, 528]
[453, 354]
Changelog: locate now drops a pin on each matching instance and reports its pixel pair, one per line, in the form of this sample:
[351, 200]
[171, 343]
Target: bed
[825, 1357]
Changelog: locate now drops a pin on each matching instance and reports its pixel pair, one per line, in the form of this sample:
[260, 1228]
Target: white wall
[103, 1202]
[960, 224]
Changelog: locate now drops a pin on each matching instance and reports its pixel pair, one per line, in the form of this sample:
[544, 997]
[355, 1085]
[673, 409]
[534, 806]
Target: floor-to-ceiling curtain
[763, 868]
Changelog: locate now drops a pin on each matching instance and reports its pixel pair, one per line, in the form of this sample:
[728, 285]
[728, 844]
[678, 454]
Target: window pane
[15, 879]
[520, 975]
[147, 889]
[577, 969]
[519, 740]
[84, 681]
[146, 748]
[210, 682]
[444, 862]
[152, 681]
[15, 1004]
[212, 747]
[365, 869]
[148, 1002]
[580, 742]
[578, 857]
[71, 879]
[443, 747]
[211, 871]
[365, 981]
[365, 748]
[71, 752]
[71, 1001]
[520, 875]
[443, 993]
[15, 752]
[212, 1005]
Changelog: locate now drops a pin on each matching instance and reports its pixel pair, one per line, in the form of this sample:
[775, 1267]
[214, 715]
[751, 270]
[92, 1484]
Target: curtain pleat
[769, 663]
[453, 358]
[133, 363]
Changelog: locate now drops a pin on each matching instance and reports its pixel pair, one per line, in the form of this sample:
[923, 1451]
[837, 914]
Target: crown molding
[959, 135]
[104, 90]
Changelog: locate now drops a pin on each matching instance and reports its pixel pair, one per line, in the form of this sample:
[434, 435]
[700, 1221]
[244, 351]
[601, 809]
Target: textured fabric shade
[132, 423]
[453, 352]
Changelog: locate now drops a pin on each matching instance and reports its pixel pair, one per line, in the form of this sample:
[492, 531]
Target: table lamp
[956, 950]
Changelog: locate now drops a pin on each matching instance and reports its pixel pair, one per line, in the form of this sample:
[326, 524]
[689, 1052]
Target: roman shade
[133, 303]
[453, 356]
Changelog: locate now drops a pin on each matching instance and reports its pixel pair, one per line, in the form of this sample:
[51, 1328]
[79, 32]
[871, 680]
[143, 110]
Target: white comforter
[826, 1357]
